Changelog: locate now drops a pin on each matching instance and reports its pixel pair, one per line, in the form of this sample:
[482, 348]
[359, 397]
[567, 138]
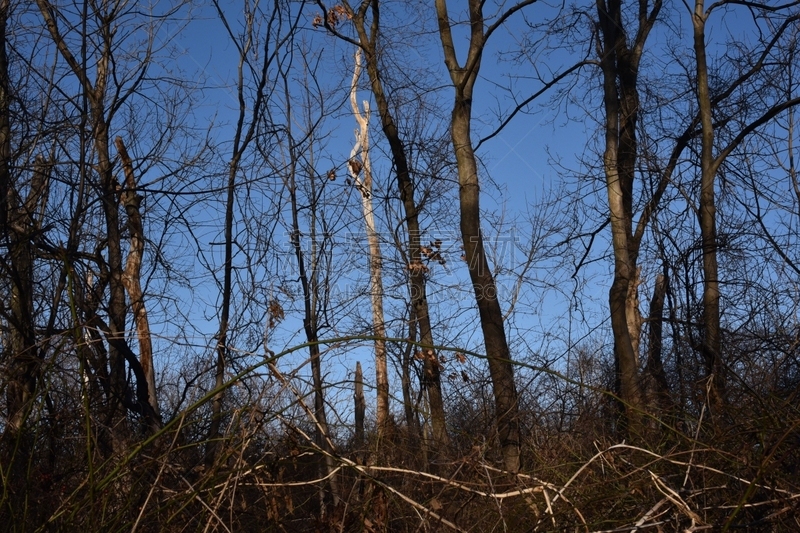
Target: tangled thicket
[187, 294]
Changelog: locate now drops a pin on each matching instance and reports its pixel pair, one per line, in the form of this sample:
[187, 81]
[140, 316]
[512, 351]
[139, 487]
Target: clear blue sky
[526, 167]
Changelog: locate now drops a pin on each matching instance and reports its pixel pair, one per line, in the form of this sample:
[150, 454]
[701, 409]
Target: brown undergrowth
[719, 473]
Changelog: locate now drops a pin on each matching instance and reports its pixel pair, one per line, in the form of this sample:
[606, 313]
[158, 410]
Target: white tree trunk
[361, 172]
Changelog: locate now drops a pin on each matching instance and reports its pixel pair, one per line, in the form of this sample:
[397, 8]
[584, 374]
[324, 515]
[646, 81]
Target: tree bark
[131, 200]
[431, 381]
[501, 366]
[364, 186]
[711, 349]
[619, 65]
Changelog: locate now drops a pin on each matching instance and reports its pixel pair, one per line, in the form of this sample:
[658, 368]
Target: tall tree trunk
[213, 436]
[24, 355]
[619, 65]
[249, 116]
[117, 308]
[308, 281]
[364, 186]
[711, 349]
[131, 200]
[501, 366]
[14, 225]
[431, 381]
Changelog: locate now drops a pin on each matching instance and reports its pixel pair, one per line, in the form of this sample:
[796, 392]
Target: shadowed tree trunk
[256, 53]
[14, 225]
[360, 410]
[619, 64]
[501, 367]
[309, 281]
[659, 387]
[24, 358]
[20, 221]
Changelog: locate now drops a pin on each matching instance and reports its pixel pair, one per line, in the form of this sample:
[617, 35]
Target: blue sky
[530, 170]
[516, 165]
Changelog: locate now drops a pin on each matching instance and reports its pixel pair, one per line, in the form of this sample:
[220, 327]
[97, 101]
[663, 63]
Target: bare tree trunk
[360, 410]
[711, 350]
[409, 405]
[249, 115]
[14, 224]
[213, 436]
[20, 221]
[364, 186]
[431, 382]
[619, 65]
[709, 166]
[308, 281]
[654, 369]
[491, 317]
[132, 280]
[24, 354]
[501, 366]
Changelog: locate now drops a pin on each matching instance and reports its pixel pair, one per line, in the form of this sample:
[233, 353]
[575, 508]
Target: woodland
[415, 265]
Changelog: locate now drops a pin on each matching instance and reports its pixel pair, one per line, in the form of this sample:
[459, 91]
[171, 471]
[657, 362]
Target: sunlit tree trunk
[361, 173]
[711, 350]
[420, 314]
[131, 201]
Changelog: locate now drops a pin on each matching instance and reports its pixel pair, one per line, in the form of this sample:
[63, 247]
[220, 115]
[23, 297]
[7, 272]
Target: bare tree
[619, 62]
[710, 163]
[17, 222]
[132, 278]
[103, 102]
[310, 234]
[367, 23]
[361, 171]
[463, 77]
[24, 361]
